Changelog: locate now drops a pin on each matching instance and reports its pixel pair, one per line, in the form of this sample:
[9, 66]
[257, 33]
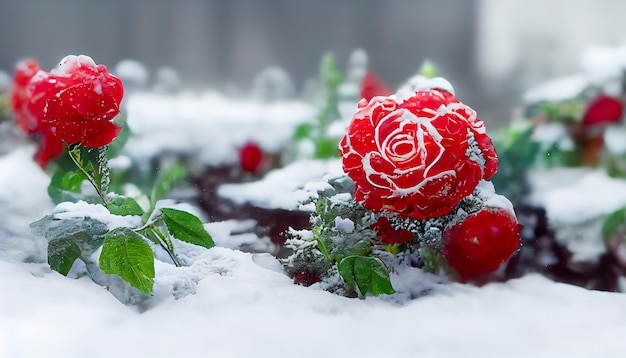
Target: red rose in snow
[418, 157]
[24, 72]
[387, 234]
[481, 243]
[250, 157]
[77, 101]
[603, 110]
[373, 86]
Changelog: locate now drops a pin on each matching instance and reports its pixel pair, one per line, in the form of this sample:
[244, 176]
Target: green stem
[164, 242]
[89, 177]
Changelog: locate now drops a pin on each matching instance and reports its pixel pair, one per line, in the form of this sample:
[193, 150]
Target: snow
[208, 125]
[557, 90]
[576, 200]
[285, 188]
[241, 309]
[81, 209]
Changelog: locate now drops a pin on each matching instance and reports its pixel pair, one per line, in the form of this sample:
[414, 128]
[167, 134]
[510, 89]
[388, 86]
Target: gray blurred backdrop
[491, 50]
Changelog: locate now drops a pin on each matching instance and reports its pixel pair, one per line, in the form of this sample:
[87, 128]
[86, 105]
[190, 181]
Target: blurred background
[491, 50]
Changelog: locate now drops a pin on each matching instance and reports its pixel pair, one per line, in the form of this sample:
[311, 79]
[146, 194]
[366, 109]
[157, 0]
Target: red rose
[481, 243]
[77, 101]
[603, 110]
[373, 86]
[418, 157]
[24, 72]
[387, 234]
[250, 157]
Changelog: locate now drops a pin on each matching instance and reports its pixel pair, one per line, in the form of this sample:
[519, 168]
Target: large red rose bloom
[418, 157]
[481, 243]
[77, 101]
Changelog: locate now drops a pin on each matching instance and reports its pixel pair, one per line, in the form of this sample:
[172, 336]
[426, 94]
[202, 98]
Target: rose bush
[417, 157]
[481, 243]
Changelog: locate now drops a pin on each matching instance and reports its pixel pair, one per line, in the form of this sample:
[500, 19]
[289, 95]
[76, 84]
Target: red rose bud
[24, 72]
[250, 157]
[603, 110]
[417, 157]
[373, 86]
[387, 234]
[481, 243]
[77, 102]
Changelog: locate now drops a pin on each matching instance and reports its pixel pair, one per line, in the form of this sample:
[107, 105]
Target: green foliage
[125, 253]
[516, 154]
[124, 206]
[187, 227]
[62, 253]
[367, 274]
[614, 223]
[317, 132]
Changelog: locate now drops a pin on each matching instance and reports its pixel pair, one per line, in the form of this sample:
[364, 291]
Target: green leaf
[65, 186]
[124, 206]
[87, 233]
[187, 227]
[327, 148]
[166, 181]
[367, 274]
[62, 252]
[613, 222]
[125, 253]
[429, 69]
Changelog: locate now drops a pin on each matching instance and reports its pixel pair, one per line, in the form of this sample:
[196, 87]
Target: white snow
[209, 125]
[576, 200]
[556, 90]
[284, 188]
[132, 72]
[81, 209]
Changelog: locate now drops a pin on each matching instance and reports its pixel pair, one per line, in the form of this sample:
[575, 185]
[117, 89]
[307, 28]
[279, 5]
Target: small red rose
[603, 110]
[250, 157]
[77, 102]
[481, 243]
[387, 234]
[417, 157]
[373, 86]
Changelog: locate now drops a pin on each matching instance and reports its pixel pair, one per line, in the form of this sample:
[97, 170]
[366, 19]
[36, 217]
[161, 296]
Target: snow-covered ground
[235, 304]
[228, 303]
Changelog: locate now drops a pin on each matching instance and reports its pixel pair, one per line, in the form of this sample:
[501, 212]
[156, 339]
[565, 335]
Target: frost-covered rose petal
[482, 242]
[417, 158]
[77, 101]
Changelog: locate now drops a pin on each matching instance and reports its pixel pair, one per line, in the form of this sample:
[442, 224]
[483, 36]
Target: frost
[420, 83]
[343, 224]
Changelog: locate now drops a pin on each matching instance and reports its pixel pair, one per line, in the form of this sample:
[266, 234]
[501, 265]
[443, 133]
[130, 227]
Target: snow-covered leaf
[368, 274]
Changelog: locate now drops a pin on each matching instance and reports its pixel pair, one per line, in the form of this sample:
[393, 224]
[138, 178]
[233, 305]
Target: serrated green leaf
[124, 206]
[125, 253]
[186, 227]
[613, 222]
[367, 274]
[62, 252]
[166, 181]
